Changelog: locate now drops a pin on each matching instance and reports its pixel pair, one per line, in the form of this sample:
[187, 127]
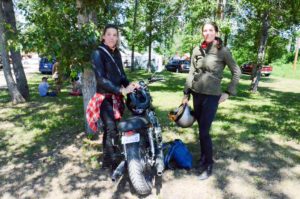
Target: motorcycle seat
[133, 123]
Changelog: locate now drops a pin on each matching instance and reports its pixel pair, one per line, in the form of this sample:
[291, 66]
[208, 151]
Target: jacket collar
[109, 49]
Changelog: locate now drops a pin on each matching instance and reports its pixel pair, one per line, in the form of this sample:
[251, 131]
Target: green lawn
[286, 70]
[252, 132]
[34, 126]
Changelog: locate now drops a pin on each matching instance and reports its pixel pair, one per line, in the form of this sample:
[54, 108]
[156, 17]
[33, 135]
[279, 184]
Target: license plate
[131, 139]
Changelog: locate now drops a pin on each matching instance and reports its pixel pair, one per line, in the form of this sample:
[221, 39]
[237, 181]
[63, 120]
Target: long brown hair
[118, 33]
[214, 24]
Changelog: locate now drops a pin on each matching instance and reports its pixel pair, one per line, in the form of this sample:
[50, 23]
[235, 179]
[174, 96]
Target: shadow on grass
[43, 161]
[266, 156]
[59, 120]
[55, 123]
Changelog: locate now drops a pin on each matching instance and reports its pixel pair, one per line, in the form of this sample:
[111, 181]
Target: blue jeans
[205, 108]
[51, 94]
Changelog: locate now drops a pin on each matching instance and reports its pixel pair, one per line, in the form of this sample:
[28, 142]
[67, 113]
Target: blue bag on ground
[178, 152]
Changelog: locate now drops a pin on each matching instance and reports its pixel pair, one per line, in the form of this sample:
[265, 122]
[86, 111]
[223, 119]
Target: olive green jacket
[206, 71]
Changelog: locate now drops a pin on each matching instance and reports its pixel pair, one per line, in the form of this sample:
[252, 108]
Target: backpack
[177, 152]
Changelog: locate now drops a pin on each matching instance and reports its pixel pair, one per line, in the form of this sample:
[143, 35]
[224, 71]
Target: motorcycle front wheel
[140, 172]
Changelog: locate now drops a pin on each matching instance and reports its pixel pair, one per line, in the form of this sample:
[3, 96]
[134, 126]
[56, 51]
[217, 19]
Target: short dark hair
[44, 78]
[214, 24]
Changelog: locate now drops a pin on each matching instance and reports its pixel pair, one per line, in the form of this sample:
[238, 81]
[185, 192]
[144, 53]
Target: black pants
[110, 130]
[205, 107]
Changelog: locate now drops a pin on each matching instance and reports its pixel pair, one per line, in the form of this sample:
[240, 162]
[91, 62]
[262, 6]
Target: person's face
[110, 37]
[209, 33]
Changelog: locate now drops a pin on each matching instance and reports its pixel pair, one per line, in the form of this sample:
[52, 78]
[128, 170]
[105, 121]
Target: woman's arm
[235, 72]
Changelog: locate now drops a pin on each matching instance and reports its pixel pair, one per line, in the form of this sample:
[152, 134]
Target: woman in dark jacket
[112, 85]
[204, 83]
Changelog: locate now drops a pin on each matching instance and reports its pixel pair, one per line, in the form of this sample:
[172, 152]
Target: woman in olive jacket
[204, 83]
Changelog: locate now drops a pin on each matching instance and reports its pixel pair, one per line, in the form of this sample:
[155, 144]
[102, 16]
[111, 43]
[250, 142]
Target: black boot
[202, 165]
[107, 158]
[206, 173]
[106, 161]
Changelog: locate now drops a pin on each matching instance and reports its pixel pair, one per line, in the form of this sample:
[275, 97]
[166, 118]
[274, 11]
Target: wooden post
[296, 54]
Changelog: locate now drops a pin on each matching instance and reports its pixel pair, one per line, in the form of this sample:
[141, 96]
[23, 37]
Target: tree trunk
[8, 9]
[220, 9]
[88, 80]
[256, 73]
[149, 53]
[14, 93]
[133, 34]
[221, 16]
[88, 90]
[225, 39]
[149, 46]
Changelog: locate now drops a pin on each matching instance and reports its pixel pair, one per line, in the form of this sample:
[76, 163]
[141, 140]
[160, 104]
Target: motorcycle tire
[140, 175]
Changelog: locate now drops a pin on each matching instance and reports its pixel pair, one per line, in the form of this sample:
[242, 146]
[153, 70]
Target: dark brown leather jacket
[110, 75]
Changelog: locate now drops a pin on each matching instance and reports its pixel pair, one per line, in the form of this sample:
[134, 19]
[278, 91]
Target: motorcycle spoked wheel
[140, 173]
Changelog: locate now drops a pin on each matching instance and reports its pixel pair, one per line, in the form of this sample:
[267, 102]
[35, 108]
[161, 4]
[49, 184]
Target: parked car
[177, 65]
[45, 65]
[248, 67]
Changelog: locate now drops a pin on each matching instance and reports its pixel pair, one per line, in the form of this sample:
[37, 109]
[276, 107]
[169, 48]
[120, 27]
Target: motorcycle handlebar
[155, 79]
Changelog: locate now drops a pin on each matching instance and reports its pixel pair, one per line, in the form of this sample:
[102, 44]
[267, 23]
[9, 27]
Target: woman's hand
[223, 97]
[185, 100]
[135, 85]
[129, 89]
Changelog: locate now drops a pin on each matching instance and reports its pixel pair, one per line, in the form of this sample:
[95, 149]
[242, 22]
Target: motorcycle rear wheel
[140, 173]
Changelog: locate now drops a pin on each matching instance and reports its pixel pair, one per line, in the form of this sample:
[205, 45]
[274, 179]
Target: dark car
[177, 65]
[45, 65]
[248, 67]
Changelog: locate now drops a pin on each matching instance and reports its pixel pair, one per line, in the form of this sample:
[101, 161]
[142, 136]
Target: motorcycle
[140, 141]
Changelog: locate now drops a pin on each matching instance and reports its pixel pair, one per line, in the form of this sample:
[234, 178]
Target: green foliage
[277, 48]
[52, 29]
[156, 22]
[280, 69]
[194, 15]
[249, 31]
[169, 26]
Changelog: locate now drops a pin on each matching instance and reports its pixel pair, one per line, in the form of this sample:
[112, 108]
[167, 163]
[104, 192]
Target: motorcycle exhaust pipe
[159, 166]
[118, 172]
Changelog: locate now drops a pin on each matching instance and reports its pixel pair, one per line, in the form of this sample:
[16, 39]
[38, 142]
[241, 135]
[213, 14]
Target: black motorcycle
[140, 141]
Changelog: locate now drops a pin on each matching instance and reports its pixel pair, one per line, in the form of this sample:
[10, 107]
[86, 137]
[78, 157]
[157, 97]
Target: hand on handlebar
[135, 85]
[130, 88]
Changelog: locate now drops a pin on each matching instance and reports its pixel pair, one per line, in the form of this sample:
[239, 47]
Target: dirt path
[62, 174]
[268, 168]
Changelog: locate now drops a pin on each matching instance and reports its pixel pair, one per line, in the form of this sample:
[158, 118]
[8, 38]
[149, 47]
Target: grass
[259, 132]
[286, 70]
[246, 115]
[35, 127]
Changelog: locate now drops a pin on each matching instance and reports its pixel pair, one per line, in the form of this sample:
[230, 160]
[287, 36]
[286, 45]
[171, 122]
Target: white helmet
[183, 116]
